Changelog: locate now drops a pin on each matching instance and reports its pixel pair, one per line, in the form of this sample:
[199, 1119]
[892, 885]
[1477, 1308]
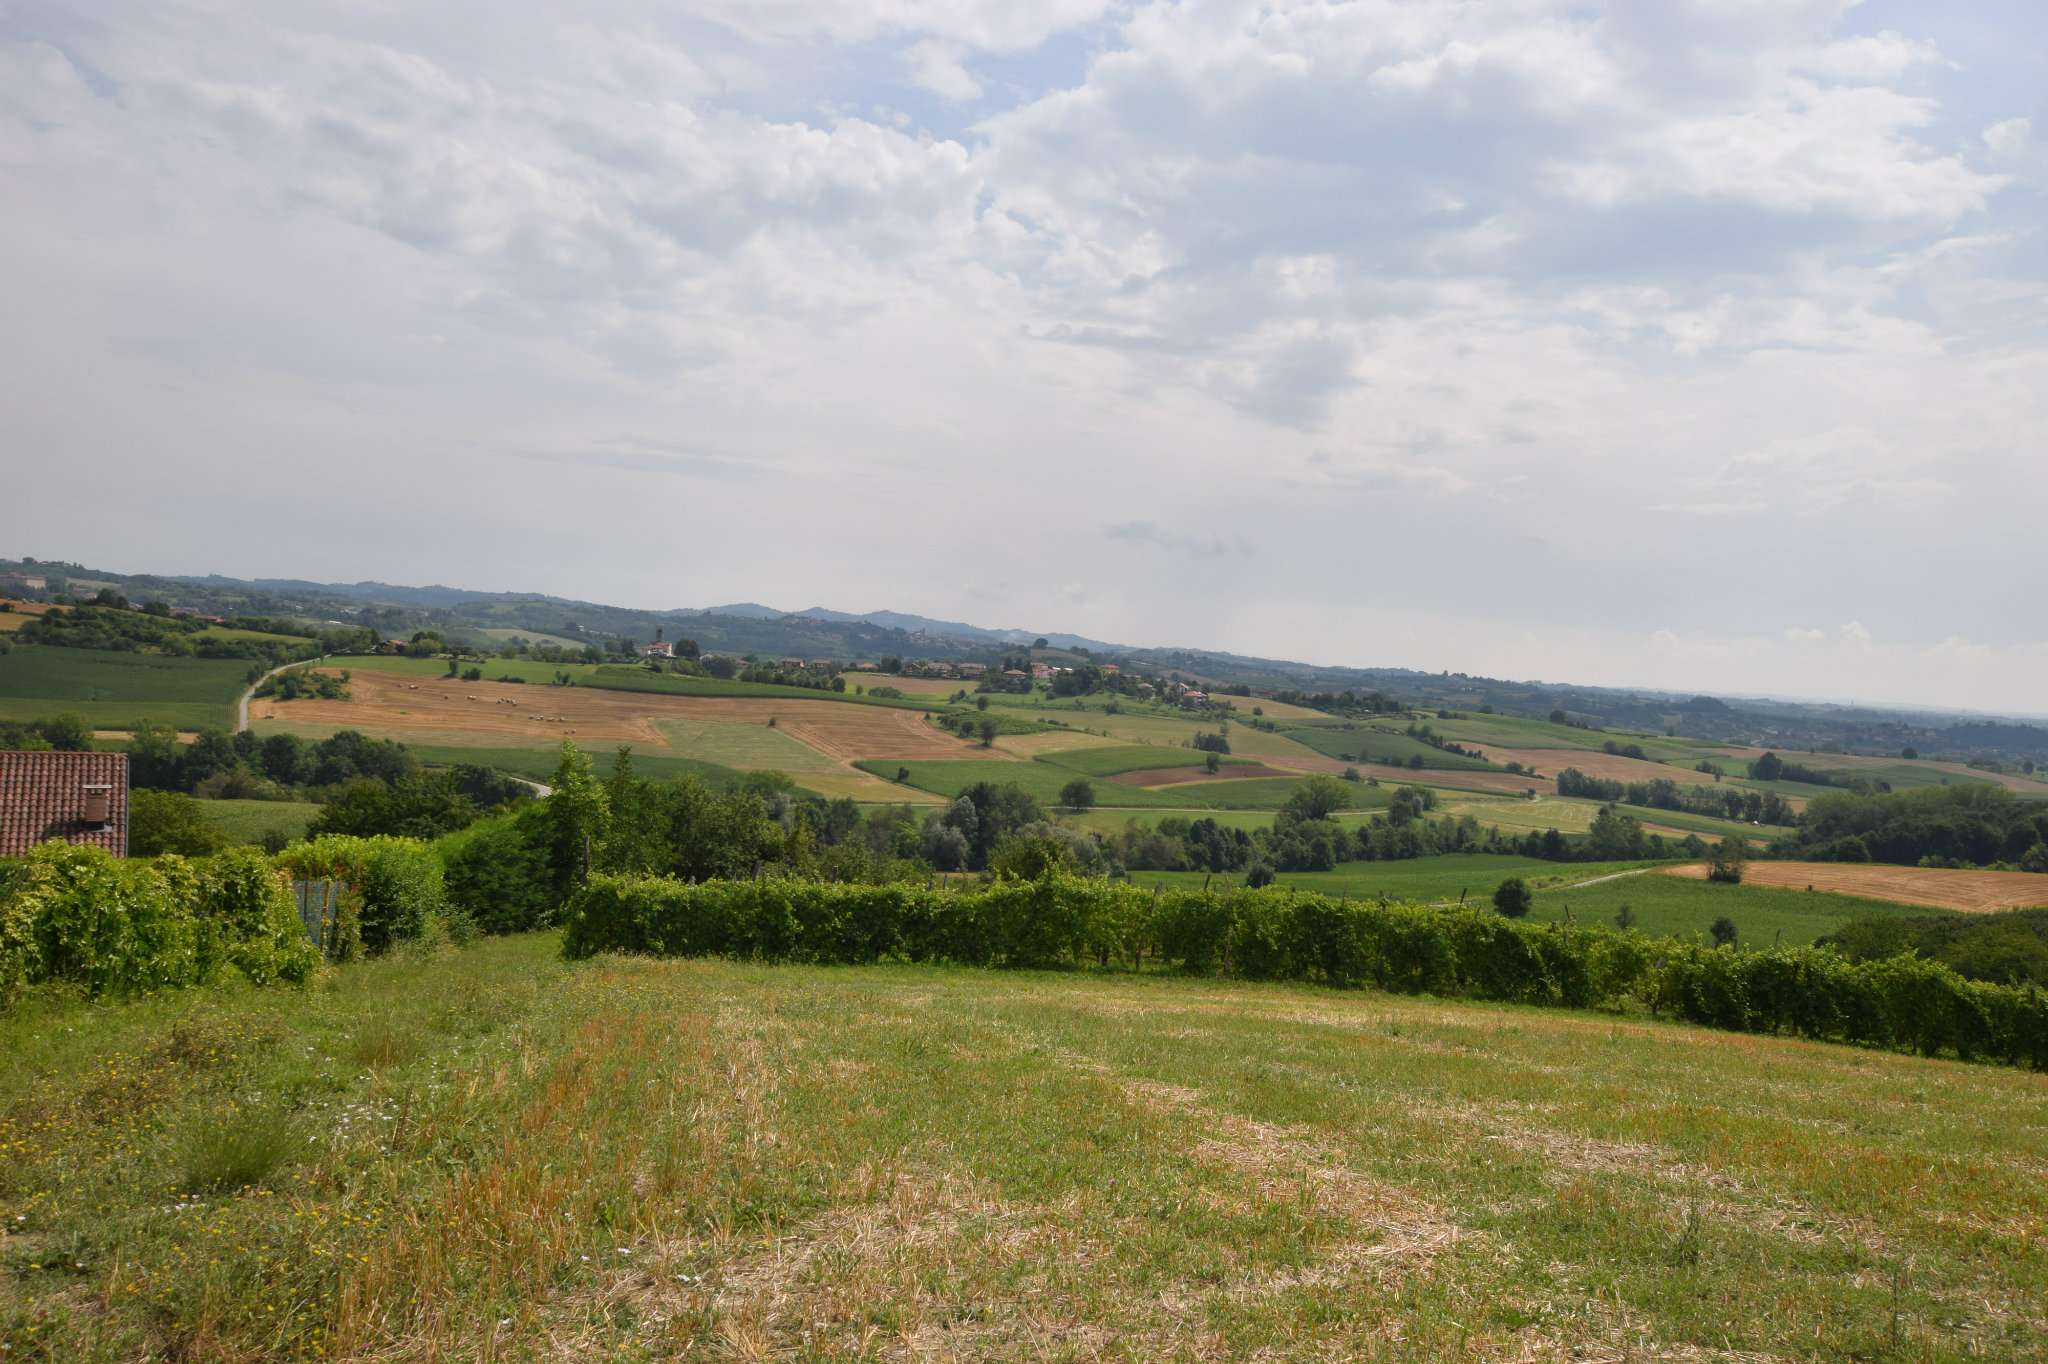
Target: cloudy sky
[1686, 343]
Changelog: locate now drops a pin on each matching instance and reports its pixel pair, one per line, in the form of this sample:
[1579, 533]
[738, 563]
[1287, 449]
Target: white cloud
[1610, 314]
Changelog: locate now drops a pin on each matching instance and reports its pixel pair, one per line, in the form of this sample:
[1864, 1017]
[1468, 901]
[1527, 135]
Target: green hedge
[392, 889]
[1903, 1002]
[79, 915]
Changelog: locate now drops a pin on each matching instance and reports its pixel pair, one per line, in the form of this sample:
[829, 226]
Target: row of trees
[1977, 824]
[1662, 793]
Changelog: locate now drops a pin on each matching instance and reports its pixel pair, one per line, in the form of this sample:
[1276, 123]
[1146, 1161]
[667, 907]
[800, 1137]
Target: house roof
[42, 796]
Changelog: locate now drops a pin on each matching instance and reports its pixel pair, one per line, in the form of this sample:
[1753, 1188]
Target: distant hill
[462, 616]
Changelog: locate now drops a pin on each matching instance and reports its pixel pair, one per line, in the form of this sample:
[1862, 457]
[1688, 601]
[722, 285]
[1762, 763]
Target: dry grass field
[1977, 892]
[814, 741]
[20, 613]
[489, 1155]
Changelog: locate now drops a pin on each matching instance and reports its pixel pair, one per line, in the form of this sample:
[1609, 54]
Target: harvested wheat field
[502, 712]
[492, 1155]
[1974, 892]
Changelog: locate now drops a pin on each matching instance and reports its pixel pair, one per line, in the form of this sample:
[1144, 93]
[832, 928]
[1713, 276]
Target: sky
[1692, 344]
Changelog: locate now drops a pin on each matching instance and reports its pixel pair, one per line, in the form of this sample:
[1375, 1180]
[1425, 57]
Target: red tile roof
[42, 796]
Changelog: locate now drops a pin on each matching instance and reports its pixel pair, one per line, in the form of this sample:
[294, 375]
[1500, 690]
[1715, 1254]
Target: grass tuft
[242, 1149]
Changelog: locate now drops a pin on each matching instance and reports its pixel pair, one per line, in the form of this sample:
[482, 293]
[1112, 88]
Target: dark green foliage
[497, 873]
[1513, 898]
[1059, 920]
[424, 806]
[81, 916]
[170, 822]
[1973, 824]
[2010, 948]
[393, 888]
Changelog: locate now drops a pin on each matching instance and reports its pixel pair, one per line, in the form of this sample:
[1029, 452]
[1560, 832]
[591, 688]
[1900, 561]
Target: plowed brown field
[1975, 892]
[497, 711]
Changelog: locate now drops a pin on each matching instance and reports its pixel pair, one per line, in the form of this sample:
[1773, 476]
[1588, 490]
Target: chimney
[99, 806]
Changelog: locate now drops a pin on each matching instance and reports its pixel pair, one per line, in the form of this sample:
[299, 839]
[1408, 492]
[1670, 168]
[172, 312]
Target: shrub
[497, 873]
[393, 889]
[170, 822]
[247, 919]
[83, 916]
[1513, 898]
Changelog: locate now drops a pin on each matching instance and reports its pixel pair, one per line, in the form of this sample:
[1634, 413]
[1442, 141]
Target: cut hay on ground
[506, 711]
[1973, 892]
[1055, 741]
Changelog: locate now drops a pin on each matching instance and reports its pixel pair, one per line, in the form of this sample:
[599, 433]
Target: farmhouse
[867, 667]
[661, 648]
[24, 582]
[74, 797]
[797, 663]
[971, 669]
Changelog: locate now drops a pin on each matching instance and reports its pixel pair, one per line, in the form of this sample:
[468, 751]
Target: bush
[497, 873]
[1513, 898]
[392, 889]
[82, 916]
[1060, 920]
[168, 822]
[248, 920]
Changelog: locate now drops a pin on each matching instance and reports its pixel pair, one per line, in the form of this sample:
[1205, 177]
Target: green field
[247, 821]
[1662, 904]
[1041, 779]
[539, 764]
[1108, 762]
[1762, 915]
[1112, 820]
[115, 690]
[1368, 743]
[490, 1155]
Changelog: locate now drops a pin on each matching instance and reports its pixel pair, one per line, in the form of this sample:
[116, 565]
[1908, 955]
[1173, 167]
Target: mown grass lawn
[491, 1155]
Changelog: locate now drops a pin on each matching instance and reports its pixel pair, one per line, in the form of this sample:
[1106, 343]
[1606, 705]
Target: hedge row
[392, 889]
[1905, 1002]
[80, 915]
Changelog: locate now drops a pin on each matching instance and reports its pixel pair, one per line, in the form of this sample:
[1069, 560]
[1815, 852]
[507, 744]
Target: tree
[170, 822]
[1728, 861]
[1624, 918]
[1258, 875]
[1213, 764]
[1767, 768]
[1317, 798]
[981, 703]
[579, 814]
[1513, 898]
[1078, 794]
[988, 730]
[1039, 643]
[67, 732]
[1909, 753]
[1723, 931]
